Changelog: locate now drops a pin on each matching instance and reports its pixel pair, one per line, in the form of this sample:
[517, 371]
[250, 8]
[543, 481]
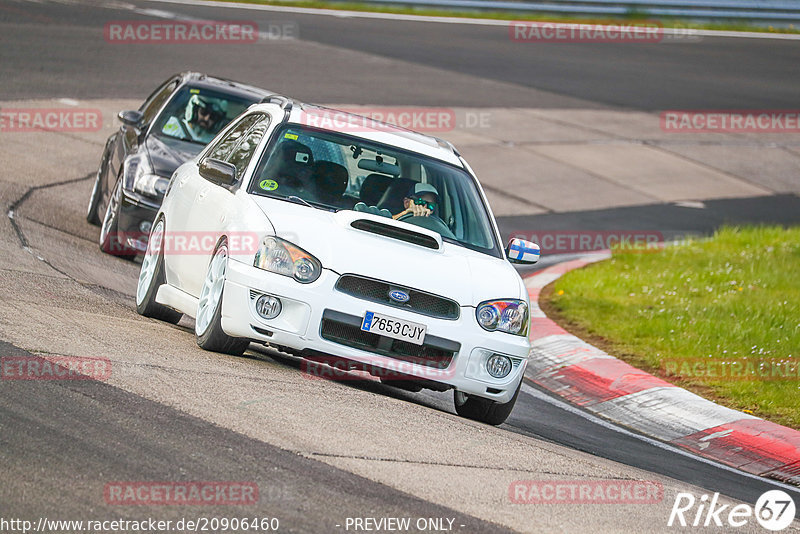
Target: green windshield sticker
[268, 185]
[290, 136]
[194, 91]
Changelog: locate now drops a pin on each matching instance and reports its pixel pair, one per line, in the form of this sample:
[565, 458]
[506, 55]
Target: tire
[484, 410]
[151, 277]
[208, 320]
[110, 241]
[92, 217]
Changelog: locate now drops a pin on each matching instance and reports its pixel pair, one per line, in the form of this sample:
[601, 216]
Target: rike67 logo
[774, 510]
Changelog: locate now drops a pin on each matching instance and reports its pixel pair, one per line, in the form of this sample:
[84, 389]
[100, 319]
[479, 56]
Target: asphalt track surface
[475, 65]
[719, 73]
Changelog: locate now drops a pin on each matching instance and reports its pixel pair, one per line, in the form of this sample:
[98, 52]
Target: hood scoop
[395, 232]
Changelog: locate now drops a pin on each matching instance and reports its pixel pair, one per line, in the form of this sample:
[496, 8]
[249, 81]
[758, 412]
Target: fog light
[498, 365]
[145, 227]
[268, 307]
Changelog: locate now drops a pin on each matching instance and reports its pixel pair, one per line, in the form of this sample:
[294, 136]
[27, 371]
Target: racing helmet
[216, 106]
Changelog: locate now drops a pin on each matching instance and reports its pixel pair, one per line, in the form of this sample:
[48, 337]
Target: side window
[156, 100]
[241, 155]
[224, 145]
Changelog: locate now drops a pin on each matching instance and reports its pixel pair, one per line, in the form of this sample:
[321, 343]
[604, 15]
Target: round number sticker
[269, 185]
[775, 510]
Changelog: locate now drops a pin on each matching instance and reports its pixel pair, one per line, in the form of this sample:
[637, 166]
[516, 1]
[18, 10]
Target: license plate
[394, 328]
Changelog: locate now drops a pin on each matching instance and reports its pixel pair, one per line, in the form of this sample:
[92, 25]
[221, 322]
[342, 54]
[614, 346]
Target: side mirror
[130, 118]
[522, 252]
[218, 172]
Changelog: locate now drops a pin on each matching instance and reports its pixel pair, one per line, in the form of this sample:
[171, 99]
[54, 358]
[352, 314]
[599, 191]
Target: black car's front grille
[378, 291]
[345, 330]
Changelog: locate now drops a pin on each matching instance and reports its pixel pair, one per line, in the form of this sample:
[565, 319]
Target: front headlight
[282, 257]
[141, 178]
[506, 315]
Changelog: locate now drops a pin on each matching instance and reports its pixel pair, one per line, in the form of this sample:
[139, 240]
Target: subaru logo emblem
[399, 296]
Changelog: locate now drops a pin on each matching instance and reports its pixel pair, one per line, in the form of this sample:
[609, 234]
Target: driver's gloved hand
[419, 210]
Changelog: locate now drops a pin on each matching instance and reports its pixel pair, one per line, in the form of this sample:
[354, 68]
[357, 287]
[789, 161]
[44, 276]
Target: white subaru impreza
[328, 235]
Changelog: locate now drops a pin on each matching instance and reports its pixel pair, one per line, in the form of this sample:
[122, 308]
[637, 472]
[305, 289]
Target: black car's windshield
[335, 171]
[197, 114]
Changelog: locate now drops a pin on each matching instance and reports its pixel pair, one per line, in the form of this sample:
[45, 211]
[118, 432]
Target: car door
[210, 212]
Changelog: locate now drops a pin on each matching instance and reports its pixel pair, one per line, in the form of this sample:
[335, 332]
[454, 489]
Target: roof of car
[334, 120]
[214, 82]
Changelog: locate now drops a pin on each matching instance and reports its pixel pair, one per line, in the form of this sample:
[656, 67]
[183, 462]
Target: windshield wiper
[298, 200]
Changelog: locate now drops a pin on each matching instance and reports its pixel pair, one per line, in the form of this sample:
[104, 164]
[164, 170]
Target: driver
[201, 119]
[420, 201]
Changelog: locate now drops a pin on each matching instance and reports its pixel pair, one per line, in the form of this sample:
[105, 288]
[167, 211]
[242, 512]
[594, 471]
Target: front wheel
[208, 321]
[151, 277]
[484, 410]
[92, 217]
[110, 240]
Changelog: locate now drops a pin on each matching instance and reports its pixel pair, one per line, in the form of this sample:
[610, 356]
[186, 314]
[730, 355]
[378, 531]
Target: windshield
[197, 114]
[334, 171]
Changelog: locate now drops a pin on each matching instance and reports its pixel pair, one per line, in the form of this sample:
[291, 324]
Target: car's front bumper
[299, 326]
[136, 215]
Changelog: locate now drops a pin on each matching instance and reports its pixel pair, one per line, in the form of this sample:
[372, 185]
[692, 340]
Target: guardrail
[779, 12]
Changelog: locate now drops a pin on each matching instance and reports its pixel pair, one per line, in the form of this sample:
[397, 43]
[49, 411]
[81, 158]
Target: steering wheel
[431, 222]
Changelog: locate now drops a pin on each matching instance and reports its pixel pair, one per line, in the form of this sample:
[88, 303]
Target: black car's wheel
[208, 321]
[92, 215]
[110, 240]
[151, 277]
[484, 410]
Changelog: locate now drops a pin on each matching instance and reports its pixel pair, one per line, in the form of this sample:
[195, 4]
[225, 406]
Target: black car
[173, 125]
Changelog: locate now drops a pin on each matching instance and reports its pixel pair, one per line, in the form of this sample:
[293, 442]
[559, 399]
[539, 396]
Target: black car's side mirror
[218, 172]
[131, 118]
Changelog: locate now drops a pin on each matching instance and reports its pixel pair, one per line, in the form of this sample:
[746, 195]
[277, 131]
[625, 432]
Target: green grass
[634, 17]
[733, 297]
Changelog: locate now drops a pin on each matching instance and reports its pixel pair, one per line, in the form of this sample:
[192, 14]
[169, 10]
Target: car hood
[166, 155]
[452, 271]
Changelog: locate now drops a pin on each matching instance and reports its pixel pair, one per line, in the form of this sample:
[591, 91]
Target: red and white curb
[596, 381]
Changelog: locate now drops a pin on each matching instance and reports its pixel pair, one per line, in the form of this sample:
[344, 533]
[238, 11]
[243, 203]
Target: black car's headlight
[141, 178]
[282, 257]
[504, 315]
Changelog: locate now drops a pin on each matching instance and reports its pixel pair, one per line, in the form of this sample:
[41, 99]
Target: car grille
[378, 291]
[346, 332]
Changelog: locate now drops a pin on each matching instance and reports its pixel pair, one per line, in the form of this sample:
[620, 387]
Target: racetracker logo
[774, 510]
[731, 121]
[559, 32]
[733, 369]
[362, 119]
[54, 368]
[574, 241]
[585, 492]
[385, 369]
[50, 119]
[180, 493]
[183, 243]
[181, 32]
